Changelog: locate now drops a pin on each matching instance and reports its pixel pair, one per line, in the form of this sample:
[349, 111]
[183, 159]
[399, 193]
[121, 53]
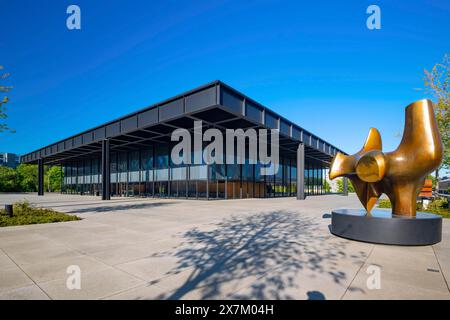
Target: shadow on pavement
[264, 255]
[121, 207]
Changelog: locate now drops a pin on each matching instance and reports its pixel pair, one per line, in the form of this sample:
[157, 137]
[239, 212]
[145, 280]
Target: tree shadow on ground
[263, 256]
[121, 207]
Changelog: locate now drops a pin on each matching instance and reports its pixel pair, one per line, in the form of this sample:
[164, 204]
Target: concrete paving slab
[151, 268]
[5, 261]
[94, 285]
[292, 287]
[408, 259]
[55, 269]
[32, 292]
[123, 253]
[13, 278]
[142, 292]
[36, 255]
[393, 288]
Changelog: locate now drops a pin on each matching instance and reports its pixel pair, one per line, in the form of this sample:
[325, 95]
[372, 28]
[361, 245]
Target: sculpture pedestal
[383, 227]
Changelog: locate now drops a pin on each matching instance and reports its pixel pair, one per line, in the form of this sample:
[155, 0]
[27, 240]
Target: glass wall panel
[113, 173]
[202, 188]
[182, 189]
[192, 189]
[123, 167]
[178, 173]
[198, 172]
[259, 182]
[149, 172]
[134, 166]
[293, 178]
[161, 171]
[162, 157]
[174, 188]
[161, 189]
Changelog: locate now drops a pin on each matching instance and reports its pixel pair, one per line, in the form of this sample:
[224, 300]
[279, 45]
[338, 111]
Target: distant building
[11, 160]
[444, 184]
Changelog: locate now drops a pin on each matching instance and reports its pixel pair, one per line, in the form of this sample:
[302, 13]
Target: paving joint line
[440, 269]
[36, 284]
[362, 265]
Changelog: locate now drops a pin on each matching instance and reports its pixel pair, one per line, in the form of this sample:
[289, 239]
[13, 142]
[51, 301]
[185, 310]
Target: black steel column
[345, 185]
[207, 182]
[226, 181]
[301, 172]
[40, 177]
[106, 177]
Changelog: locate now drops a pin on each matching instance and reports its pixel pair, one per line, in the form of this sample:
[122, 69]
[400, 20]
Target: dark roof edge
[152, 106]
[186, 93]
[275, 113]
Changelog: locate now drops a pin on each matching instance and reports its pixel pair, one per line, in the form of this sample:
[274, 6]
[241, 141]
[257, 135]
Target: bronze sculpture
[399, 174]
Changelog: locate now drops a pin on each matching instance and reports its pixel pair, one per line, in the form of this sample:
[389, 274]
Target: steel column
[301, 172]
[106, 177]
[345, 185]
[40, 177]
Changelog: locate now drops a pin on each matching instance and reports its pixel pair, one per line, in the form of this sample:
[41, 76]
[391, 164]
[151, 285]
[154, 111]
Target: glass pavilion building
[130, 156]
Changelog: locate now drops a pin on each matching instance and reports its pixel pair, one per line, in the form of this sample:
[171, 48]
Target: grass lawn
[24, 213]
[438, 206]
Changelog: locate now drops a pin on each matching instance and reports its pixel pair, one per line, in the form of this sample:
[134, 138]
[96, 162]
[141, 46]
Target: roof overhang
[215, 104]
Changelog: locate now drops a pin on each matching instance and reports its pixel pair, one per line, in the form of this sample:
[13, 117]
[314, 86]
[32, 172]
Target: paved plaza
[131, 248]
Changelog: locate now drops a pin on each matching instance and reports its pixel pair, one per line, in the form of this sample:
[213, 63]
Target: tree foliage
[437, 82]
[8, 179]
[25, 178]
[28, 177]
[326, 186]
[3, 100]
[340, 186]
[54, 175]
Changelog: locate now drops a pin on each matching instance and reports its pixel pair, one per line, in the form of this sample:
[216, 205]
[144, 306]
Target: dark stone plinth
[383, 227]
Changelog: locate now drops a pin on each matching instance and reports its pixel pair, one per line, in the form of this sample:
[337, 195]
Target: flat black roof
[216, 104]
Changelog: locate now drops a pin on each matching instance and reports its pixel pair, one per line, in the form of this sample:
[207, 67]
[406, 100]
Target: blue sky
[314, 62]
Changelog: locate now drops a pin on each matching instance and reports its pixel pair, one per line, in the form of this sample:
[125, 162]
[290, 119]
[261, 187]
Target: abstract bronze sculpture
[399, 174]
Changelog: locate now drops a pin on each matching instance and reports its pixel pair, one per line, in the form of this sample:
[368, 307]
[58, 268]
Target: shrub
[24, 214]
[438, 206]
[384, 203]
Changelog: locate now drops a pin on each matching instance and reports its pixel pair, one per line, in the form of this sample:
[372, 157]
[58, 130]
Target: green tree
[340, 186]
[8, 179]
[3, 100]
[28, 180]
[54, 176]
[326, 186]
[437, 82]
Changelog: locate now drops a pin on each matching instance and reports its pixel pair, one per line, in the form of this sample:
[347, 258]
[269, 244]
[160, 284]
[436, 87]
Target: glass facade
[149, 172]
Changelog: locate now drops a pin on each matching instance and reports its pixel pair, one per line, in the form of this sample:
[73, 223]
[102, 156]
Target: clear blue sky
[314, 62]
